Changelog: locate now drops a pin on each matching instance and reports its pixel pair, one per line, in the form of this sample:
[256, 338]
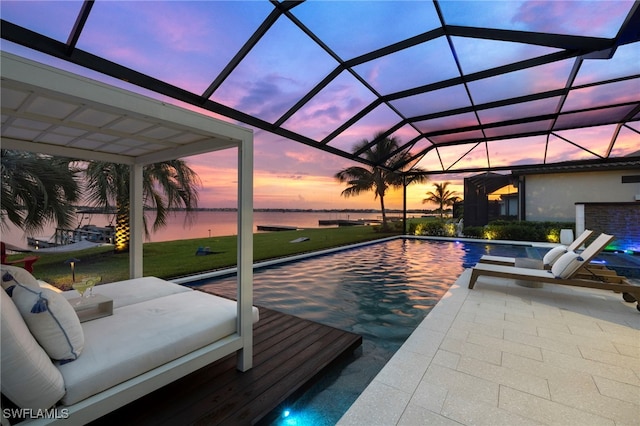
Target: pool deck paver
[504, 354]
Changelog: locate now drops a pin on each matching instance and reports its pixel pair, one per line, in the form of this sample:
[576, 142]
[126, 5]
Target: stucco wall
[553, 196]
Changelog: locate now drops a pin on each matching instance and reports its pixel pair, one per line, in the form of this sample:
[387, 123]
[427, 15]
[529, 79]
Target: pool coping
[231, 271]
[504, 354]
[399, 394]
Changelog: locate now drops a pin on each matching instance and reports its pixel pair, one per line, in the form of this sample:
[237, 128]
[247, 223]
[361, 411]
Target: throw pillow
[567, 265]
[12, 274]
[29, 378]
[553, 255]
[52, 321]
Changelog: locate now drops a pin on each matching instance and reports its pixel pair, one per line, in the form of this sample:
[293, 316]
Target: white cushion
[553, 255]
[51, 320]
[568, 263]
[29, 378]
[145, 335]
[135, 290]
[20, 275]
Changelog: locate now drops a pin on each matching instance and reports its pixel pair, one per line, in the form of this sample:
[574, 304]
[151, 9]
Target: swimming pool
[381, 291]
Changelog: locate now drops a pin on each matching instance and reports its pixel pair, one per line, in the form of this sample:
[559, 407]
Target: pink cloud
[593, 18]
[450, 122]
[627, 143]
[374, 73]
[266, 97]
[517, 151]
[302, 157]
[170, 18]
[116, 48]
[608, 94]
[330, 108]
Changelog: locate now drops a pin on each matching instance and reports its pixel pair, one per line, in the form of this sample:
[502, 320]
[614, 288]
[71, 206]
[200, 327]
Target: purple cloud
[593, 18]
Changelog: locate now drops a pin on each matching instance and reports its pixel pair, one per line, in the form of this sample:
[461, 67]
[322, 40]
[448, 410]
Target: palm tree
[377, 178]
[441, 196]
[166, 185]
[37, 189]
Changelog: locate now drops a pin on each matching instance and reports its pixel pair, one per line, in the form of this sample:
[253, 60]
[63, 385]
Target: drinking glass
[84, 285]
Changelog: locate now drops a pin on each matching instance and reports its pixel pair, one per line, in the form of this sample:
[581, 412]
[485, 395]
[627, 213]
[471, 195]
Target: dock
[277, 228]
[346, 222]
[62, 236]
[290, 353]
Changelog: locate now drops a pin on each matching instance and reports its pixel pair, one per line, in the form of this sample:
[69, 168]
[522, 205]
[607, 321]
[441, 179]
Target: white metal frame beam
[26, 80]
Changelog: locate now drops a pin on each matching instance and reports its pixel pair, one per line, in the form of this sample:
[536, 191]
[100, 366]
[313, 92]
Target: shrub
[389, 227]
[473, 232]
[412, 229]
[496, 230]
[519, 231]
[553, 234]
[436, 228]
[449, 229]
[433, 228]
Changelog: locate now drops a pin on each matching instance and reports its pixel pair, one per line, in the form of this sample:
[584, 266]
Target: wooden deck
[289, 353]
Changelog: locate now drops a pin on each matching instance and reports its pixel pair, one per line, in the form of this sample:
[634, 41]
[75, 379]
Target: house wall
[554, 196]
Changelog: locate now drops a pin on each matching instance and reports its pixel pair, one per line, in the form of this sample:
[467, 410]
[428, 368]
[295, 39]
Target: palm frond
[385, 154]
[165, 186]
[37, 190]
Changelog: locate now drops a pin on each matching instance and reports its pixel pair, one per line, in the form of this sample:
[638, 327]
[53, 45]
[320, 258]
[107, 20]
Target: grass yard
[173, 259]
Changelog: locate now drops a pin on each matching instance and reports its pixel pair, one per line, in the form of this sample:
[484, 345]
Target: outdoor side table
[93, 307]
[526, 262]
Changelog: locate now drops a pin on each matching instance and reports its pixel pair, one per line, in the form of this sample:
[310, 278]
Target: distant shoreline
[92, 210]
[211, 222]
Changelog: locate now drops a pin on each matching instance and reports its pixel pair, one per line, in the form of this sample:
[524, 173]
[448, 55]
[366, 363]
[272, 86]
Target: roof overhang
[51, 111]
[624, 163]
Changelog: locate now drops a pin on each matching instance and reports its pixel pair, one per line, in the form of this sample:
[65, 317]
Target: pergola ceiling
[52, 111]
[465, 86]
[58, 113]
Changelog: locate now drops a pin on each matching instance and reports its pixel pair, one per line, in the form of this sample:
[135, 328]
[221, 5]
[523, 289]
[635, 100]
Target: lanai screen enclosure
[467, 86]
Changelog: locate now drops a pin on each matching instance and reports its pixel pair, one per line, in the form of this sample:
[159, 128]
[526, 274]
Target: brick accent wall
[619, 219]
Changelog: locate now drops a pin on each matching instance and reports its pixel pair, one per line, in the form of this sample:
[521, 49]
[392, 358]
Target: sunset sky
[187, 43]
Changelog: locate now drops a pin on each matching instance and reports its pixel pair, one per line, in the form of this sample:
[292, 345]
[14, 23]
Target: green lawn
[173, 259]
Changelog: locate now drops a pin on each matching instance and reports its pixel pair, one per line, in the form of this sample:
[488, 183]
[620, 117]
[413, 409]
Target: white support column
[245, 253]
[136, 223]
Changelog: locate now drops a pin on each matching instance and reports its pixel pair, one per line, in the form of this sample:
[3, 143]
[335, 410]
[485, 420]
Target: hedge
[519, 231]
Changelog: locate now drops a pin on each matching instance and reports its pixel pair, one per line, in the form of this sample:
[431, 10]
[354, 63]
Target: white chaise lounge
[159, 332]
[571, 269]
[549, 258]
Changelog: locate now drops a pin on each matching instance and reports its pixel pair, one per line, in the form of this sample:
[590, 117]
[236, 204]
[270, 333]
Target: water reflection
[381, 292]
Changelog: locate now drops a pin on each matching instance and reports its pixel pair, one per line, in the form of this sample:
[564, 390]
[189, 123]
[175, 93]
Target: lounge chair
[571, 269]
[28, 260]
[549, 258]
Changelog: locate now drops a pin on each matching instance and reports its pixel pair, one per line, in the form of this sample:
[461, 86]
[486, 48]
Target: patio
[503, 354]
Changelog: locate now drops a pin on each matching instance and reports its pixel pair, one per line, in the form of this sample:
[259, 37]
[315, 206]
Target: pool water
[381, 291]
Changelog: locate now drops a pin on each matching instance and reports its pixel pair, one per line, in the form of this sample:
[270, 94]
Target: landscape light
[72, 262]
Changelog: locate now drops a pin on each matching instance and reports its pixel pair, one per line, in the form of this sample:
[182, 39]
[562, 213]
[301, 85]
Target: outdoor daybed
[57, 367]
